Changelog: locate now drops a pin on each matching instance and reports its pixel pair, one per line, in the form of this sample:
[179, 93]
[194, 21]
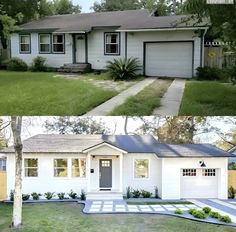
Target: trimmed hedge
[16, 64]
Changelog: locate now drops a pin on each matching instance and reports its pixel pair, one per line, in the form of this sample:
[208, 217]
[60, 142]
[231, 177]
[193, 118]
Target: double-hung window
[60, 168]
[25, 44]
[2, 165]
[44, 43]
[31, 167]
[141, 167]
[112, 43]
[79, 167]
[58, 44]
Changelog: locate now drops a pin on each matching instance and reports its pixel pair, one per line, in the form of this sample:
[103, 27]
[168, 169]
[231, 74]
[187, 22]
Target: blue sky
[86, 4]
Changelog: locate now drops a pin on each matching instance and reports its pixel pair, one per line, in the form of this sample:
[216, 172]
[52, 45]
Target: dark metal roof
[130, 19]
[130, 143]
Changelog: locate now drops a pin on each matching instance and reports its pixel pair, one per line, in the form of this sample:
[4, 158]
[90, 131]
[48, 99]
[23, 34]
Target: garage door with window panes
[199, 183]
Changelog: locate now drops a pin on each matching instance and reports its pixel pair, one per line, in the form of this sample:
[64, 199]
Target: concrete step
[104, 196]
[75, 68]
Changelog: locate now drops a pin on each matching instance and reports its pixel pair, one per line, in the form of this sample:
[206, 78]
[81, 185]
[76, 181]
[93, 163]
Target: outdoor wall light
[202, 164]
[93, 156]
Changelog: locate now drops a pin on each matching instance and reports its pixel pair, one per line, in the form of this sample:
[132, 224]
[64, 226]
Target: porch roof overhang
[103, 144]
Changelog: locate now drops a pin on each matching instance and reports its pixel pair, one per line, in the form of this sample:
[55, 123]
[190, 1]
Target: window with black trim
[25, 44]
[208, 172]
[44, 43]
[58, 44]
[112, 43]
[31, 167]
[189, 172]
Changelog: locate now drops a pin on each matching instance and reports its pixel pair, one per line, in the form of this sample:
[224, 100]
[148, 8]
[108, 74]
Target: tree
[66, 7]
[159, 5]
[74, 125]
[16, 125]
[3, 126]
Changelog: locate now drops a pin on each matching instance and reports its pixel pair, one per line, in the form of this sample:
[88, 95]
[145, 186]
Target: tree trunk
[174, 6]
[16, 124]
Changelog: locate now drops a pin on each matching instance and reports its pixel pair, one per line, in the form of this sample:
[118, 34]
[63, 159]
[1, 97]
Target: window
[106, 163]
[141, 168]
[79, 168]
[58, 43]
[189, 172]
[208, 172]
[25, 45]
[60, 167]
[44, 43]
[112, 43]
[31, 167]
[2, 165]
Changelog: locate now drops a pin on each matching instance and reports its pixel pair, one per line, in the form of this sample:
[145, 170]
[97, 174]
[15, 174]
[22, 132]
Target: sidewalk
[171, 101]
[105, 108]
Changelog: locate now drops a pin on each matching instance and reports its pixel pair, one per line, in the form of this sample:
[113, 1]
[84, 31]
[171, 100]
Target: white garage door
[173, 59]
[199, 183]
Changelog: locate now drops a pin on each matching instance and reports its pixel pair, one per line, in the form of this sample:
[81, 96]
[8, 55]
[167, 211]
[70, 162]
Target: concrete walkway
[105, 108]
[171, 101]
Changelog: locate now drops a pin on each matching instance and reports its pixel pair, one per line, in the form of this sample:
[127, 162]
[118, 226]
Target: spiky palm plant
[122, 69]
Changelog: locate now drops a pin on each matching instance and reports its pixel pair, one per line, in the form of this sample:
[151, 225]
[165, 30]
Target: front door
[105, 173]
[80, 48]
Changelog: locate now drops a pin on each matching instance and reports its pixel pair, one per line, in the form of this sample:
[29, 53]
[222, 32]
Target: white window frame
[83, 177]
[67, 167]
[50, 44]
[63, 43]
[118, 43]
[141, 178]
[3, 165]
[31, 167]
[29, 51]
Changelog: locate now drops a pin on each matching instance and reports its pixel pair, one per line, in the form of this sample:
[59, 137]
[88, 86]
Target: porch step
[104, 195]
[75, 68]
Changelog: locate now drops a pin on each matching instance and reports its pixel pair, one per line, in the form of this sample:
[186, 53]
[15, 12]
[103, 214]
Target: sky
[86, 4]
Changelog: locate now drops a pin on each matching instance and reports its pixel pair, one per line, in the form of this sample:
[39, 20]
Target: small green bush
[128, 192]
[225, 219]
[178, 211]
[72, 194]
[16, 64]
[136, 193]
[206, 210]
[82, 195]
[208, 73]
[231, 192]
[199, 214]
[49, 195]
[35, 195]
[156, 192]
[191, 211]
[123, 69]
[214, 214]
[25, 197]
[39, 64]
[61, 196]
[232, 74]
[12, 195]
[146, 194]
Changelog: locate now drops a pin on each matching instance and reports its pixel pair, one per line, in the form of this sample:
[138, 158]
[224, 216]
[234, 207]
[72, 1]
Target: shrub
[191, 211]
[208, 73]
[122, 69]
[232, 74]
[231, 192]
[25, 197]
[207, 210]
[225, 218]
[35, 195]
[12, 195]
[72, 194]
[16, 64]
[146, 194]
[136, 193]
[128, 192]
[61, 196]
[199, 214]
[49, 195]
[178, 211]
[214, 214]
[156, 192]
[82, 195]
[39, 64]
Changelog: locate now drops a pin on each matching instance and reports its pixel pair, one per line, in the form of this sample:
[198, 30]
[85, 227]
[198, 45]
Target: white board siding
[171, 175]
[53, 60]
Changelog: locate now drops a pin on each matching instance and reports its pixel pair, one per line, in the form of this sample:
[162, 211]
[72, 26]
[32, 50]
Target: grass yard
[27, 93]
[159, 203]
[208, 98]
[144, 102]
[61, 217]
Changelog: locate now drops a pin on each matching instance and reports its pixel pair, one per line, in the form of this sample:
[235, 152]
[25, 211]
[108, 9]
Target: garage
[199, 183]
[169, 59]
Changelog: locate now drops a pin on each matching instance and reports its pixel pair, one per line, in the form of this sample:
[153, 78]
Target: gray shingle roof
[131, 19]
[130, 143]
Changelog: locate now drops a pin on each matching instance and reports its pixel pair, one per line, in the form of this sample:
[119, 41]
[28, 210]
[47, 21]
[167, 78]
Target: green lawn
[144, 102]
[27, 93]
[208, 98]
[67, 217]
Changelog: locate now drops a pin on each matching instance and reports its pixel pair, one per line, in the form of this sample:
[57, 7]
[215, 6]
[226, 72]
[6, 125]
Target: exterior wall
[46, 181]
[148, 184]
[171, 175]
[53, 60]
[3, 185]
[232, 178]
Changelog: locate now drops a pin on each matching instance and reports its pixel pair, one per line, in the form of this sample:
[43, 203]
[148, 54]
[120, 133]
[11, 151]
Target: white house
[170, 46]
[104, 166]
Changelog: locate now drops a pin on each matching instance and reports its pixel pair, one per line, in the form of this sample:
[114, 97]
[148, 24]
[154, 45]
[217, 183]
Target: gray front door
[105, 173]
